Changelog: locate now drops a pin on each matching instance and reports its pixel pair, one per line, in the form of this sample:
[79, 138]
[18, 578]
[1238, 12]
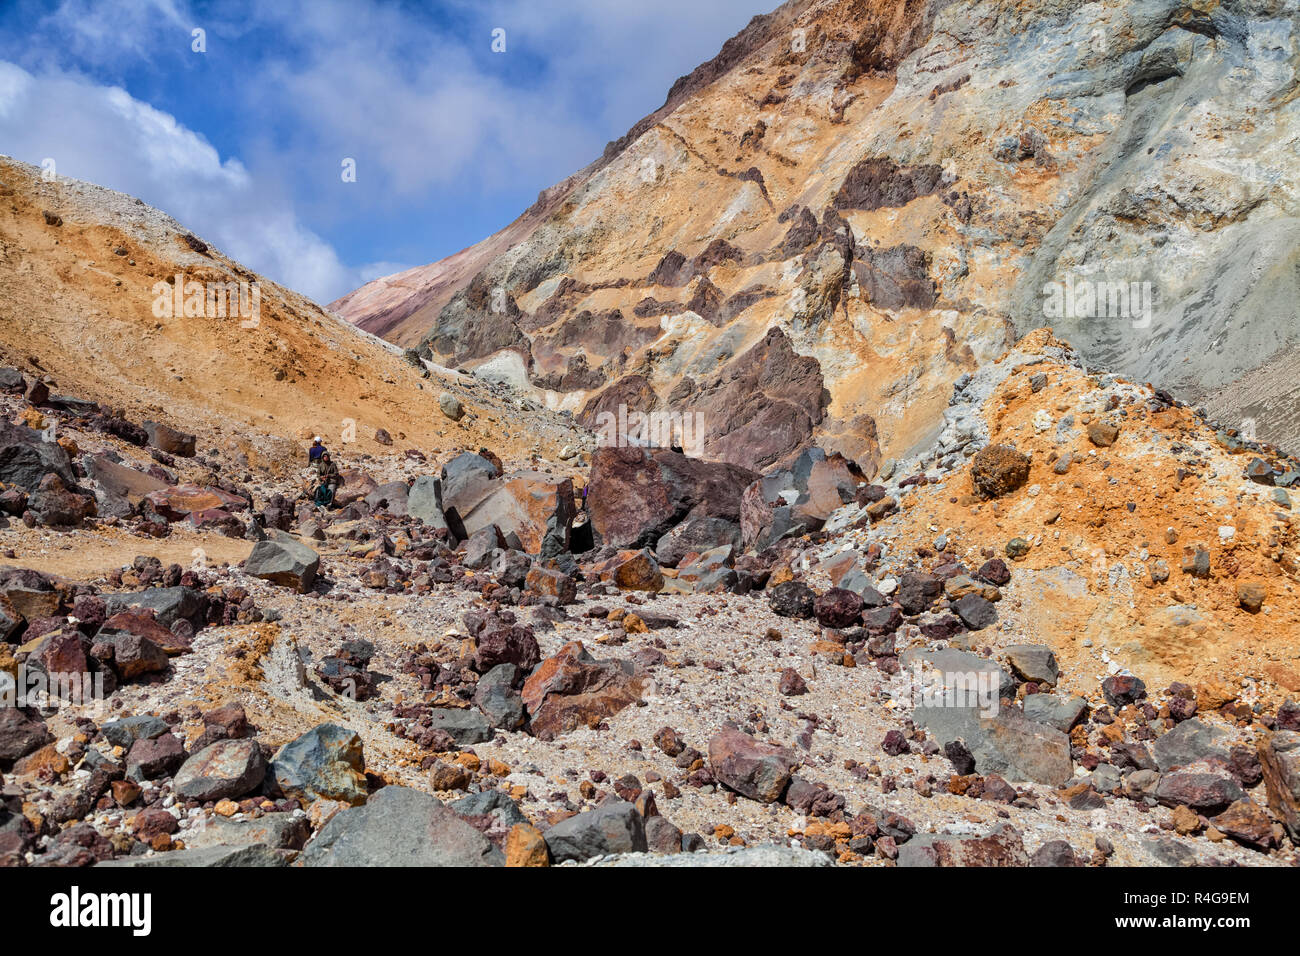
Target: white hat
[317, 438]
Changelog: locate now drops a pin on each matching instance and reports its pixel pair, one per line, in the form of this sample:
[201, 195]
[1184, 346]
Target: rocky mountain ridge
[884, 195]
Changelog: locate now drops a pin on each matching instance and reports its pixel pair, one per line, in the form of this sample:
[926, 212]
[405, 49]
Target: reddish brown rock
[791, 684]
[55, 504]
[1002, 847]
[753, 769]
[632, 571]
[838, 608]
[178, 502]
[141, 622]
[1246, 822]
[552, 583]
[63, 652]
[1279, 758]
[636, 495]
[1204, 787]
[153, 822]
[573, 689]
[527, 504]
[999, 470]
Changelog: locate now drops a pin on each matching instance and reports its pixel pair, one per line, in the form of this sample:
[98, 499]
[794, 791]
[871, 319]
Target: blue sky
[244, 142]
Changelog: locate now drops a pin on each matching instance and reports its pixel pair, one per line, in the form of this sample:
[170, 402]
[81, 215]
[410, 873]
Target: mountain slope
[891, 191]
[77, 304]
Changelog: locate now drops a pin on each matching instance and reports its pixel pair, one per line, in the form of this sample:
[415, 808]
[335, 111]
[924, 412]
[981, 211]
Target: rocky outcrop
[991, 168]
[637, 495]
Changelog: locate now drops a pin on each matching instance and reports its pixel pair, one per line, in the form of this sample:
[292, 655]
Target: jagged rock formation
[858, 201]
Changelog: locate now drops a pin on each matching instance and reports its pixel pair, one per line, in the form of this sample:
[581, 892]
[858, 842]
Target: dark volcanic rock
[917, 591]
[327, 761]
[1204, 787]
[637, 495]
[572, 689]
[792, 599]
[613, 827]
[838, 608]
[400, 827]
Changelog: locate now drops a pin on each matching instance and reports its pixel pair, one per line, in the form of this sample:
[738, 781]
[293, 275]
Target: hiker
[316, 450]
[328, 474]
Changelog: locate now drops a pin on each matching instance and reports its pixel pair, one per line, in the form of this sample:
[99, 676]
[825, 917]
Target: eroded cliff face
[860, 200]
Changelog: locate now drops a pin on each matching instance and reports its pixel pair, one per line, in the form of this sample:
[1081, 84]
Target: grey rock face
[1059, 712]
[613, 827]
[465, 726]
[400, 827]
[284, 560]
[327, 761]
[1190, 741]
[225, 769]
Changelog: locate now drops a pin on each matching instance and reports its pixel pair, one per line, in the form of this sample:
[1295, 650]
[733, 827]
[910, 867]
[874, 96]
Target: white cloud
[103, 135]
[419, 102]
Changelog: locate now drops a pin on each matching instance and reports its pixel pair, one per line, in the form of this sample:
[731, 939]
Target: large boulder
[58, 504]
[631, 571]
[466, 480]
[118, 482]
[751, 768]
[959, 699]
[134, 655]
[327, 761]
[796, 499]
[391, 497]
[356, 485]
[530, 505]
[224, 770]
[26, 458]
[709, 573]
[277, 831]
[573, 689]
[463, 725]
[285, 561]
[177, 502]
[168, 605]
[399, 826]
[1206, 787]
[613, 827]
[637, 495]
[424, 501]
[698, 534]
[496, 697]
[1190, 741]
[30, 593]
[21, 732]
